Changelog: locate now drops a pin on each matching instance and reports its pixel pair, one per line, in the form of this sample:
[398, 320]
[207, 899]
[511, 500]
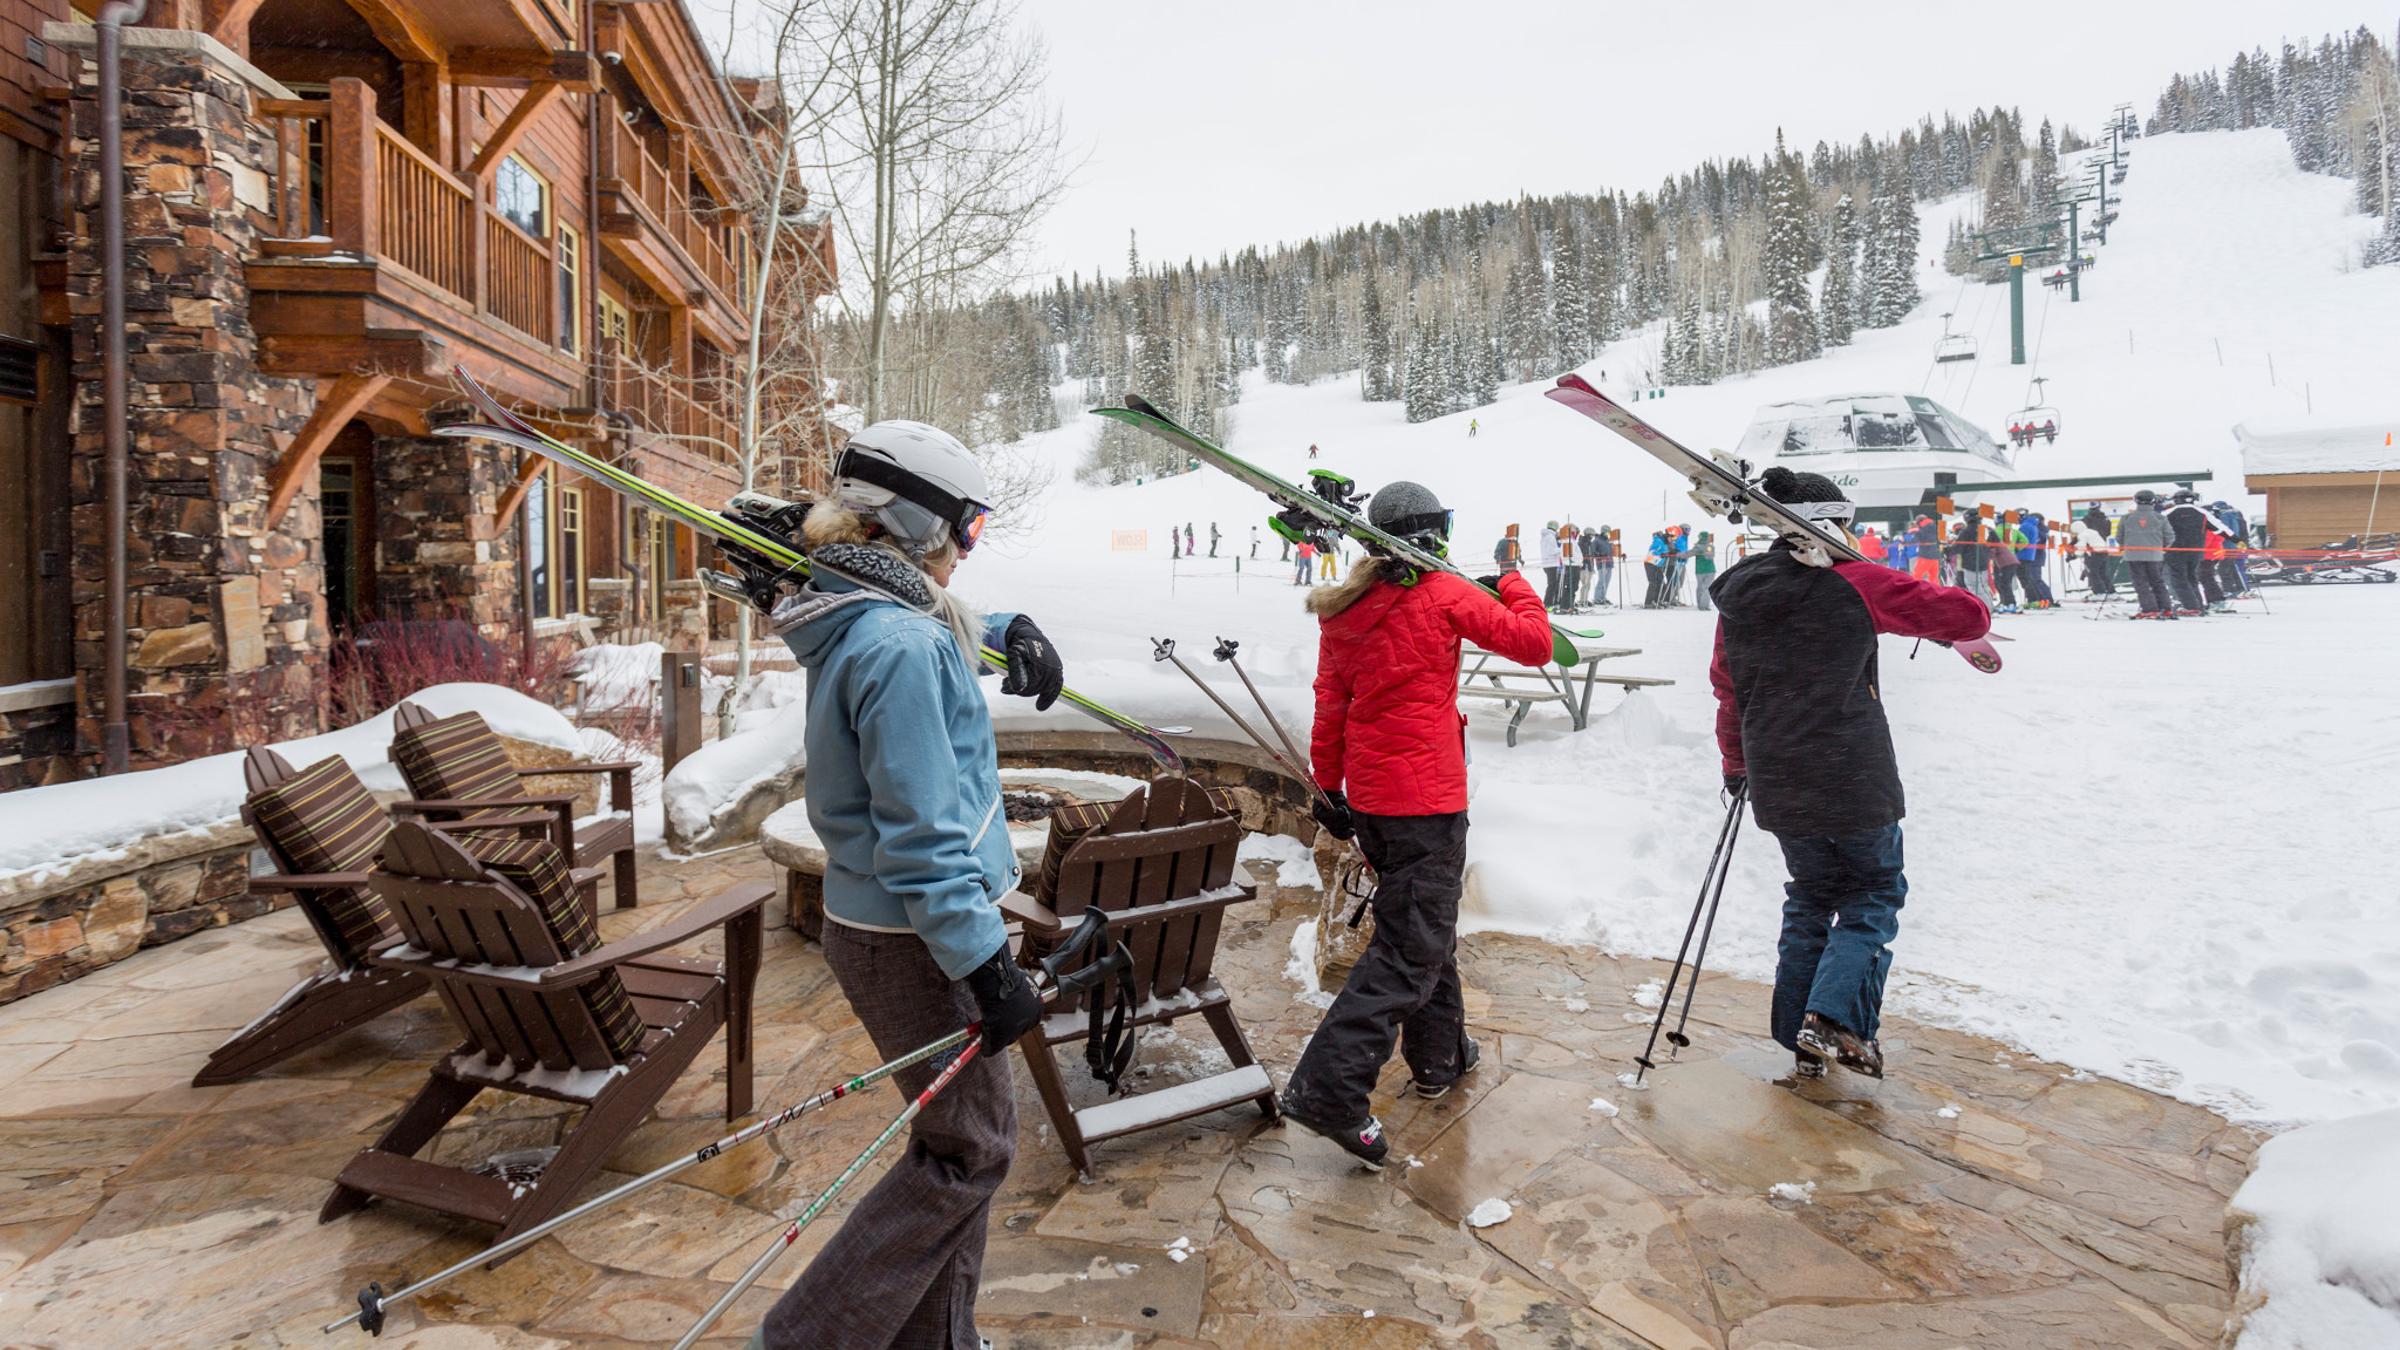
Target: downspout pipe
[115, 742]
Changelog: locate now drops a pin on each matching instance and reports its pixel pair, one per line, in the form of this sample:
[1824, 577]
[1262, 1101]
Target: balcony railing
[649, 182]
[349, 183]
[666, 408]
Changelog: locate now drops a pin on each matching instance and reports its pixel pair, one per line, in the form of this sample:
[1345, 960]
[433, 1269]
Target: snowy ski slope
[2157, 852]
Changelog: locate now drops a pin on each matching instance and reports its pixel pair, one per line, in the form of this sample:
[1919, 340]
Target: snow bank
[616, 676]
[47, 830]
[2318, 1231]
[2285, 447]
[713, 781]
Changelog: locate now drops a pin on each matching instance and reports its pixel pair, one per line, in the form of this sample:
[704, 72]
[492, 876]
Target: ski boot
[2005, 609]
[1363, 1141]
[1468, 1055]
[2220, 607]
[1807, 1065]
[1831, 1040]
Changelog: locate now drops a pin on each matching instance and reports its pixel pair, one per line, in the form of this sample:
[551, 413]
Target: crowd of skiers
[2181, 558]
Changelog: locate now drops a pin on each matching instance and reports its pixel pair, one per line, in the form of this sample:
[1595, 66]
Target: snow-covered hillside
[2154, 851]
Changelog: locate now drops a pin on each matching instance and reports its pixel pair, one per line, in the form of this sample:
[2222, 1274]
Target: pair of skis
[1721, 486]
[766, 553]
[1142, 415]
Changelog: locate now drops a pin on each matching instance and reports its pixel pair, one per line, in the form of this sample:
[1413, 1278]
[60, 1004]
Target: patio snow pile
[714, 779]
[47, 830]
[2318, 1229]
[618, 677]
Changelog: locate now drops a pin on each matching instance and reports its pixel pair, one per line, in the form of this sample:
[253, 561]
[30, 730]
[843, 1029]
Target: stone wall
[78, 924]
[37, 740]
[227, 616]
[439, 554]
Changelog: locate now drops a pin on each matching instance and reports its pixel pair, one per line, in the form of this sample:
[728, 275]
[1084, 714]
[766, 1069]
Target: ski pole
[1675, 974]
[1226, 647]
[1691, 987]
[1163, 649]
[791, 1232]
[373, 1302]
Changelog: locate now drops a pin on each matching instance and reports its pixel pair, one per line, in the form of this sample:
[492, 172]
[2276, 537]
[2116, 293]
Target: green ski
[1143, 415]
[730, 535]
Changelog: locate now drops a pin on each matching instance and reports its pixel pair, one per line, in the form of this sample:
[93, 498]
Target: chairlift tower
[2074, 204]
[2014, 246]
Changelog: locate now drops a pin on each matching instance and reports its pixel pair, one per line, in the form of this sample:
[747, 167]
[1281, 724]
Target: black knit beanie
[1791, 488]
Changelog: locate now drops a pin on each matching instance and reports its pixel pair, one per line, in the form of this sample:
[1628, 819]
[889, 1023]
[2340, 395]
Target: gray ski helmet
[2145, 496]
[1411, 512]
[917, 482]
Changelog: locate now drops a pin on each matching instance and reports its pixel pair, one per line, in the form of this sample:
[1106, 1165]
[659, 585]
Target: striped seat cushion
[535, 867]
[322, 819]
[456, 758]
[1070, 824]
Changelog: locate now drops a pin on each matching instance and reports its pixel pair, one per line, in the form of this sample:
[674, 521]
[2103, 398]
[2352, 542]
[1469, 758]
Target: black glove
[1333, 812]
[1010, 1006]
[1033, 665]
[1490, 583]
[1735, 783]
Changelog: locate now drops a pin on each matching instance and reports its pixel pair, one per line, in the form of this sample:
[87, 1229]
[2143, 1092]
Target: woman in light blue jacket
[904, 794]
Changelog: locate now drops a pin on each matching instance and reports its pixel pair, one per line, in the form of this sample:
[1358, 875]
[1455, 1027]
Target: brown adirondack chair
[1161, 864]
[459, 771]
[549, 1012]
[321, 829]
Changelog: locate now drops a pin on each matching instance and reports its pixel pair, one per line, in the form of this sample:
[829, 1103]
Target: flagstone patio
[1975, 1197]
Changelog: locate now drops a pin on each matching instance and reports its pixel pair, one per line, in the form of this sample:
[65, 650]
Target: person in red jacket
[1389, 748]
[1800, 726]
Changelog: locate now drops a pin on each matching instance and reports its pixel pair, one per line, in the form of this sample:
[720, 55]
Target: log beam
[513, 127]
[335, 408]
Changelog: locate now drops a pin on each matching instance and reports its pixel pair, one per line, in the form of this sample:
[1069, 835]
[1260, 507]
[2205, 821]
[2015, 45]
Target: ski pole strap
[1108, 1035]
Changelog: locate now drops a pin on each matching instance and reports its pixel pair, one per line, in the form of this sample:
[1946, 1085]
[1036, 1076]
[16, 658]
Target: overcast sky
[1210, 126]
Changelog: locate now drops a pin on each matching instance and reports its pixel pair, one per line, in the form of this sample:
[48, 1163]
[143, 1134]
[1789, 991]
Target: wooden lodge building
[328, 203]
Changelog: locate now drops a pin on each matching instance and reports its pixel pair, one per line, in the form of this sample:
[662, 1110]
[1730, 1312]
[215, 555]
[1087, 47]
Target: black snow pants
[2150, 587]
[2183, 572]
[1405, 984]
[2095, 574]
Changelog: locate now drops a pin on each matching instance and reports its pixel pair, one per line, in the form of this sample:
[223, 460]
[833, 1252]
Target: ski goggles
[1821, 510]
[965, 516]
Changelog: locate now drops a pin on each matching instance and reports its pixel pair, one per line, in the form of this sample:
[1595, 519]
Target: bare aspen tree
[941, 156]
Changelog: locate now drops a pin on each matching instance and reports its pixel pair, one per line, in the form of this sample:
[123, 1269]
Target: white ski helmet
[917, 482]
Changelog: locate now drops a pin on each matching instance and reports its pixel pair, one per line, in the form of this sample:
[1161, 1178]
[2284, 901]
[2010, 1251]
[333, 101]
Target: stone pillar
[439, 555]
[228, 636]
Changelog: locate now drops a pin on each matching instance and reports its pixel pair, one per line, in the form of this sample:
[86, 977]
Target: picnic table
[1489, 677]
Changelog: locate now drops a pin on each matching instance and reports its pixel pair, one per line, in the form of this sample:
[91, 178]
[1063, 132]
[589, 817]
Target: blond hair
[1327, 601]
[830, 524]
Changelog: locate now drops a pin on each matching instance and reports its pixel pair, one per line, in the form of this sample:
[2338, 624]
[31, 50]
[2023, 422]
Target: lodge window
[554, 532]
[537, 547]
[522, 196]
[616, 321]
[570, 289]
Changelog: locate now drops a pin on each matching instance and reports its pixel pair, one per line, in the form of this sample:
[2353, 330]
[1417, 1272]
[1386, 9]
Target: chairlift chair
[1954, 347]
[2027, 425]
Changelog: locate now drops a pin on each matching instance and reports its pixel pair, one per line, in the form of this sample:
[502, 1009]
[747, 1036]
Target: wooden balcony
[382, 261]
[677, 246]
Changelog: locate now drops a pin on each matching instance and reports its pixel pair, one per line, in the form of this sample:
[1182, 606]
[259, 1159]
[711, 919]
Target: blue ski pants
[1841, 910]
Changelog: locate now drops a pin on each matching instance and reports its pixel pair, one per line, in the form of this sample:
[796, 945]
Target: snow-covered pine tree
[1839, 306]
[1792, 332]
[1484, 368]
[1889, 290]
[1416, 391]
[1376, 376]
[1570, 313]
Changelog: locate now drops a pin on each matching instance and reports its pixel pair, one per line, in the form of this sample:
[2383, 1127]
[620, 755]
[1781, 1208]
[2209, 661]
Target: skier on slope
[2195, 585]
[2092, 535]
[1389, 749]
[1800, 722]
[903, 784]
[2142, 538]
[1546, 547]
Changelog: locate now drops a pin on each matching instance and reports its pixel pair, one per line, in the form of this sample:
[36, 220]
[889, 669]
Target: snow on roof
[2271, 448]
[49, 830]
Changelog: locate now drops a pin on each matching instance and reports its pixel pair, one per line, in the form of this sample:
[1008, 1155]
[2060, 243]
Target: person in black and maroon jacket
[1800, 720]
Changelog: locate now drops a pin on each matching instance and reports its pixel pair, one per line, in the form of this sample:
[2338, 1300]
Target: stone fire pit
[1028, 798]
